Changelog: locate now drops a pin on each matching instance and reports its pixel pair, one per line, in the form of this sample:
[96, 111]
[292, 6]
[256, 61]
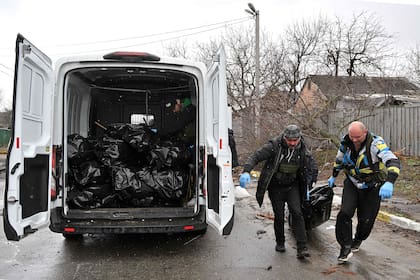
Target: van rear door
[26, 203]
[220, 191]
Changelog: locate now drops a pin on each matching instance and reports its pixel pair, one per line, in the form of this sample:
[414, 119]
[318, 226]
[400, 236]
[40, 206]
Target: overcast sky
[62, 27]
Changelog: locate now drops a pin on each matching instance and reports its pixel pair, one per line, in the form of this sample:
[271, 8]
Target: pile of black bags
[128, 166]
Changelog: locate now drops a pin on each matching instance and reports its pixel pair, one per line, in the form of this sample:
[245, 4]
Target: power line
[8, 74]
[156, 34]
[227, 22]
[151, 42]
[8, 68]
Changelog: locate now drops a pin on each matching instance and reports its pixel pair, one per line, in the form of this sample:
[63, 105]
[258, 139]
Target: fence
[4, 137]
[399, 126]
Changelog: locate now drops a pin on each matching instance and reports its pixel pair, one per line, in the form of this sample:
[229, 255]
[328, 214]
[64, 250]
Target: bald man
[371, 170]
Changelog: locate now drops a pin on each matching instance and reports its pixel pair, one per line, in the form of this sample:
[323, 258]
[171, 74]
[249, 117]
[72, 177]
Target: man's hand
[331, 181]
[386, 190]
[244, 179]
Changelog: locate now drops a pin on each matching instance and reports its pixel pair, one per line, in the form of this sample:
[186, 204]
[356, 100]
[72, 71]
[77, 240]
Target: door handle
[16, 166]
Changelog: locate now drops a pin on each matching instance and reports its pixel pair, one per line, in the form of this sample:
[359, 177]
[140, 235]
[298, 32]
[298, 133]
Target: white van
[98, 146]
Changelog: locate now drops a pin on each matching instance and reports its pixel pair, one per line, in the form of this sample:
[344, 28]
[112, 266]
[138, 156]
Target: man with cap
[288, 174]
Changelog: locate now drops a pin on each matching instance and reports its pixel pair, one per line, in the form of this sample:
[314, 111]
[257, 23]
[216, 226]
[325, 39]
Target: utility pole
[256, 14]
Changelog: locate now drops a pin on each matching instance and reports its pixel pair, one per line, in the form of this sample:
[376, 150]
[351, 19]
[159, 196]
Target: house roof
[349, 86]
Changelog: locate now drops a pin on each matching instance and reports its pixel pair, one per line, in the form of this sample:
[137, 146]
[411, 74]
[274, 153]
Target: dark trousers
[367, 203]
[278, 197]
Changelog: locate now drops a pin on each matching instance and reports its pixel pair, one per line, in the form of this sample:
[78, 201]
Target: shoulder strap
[369, 141]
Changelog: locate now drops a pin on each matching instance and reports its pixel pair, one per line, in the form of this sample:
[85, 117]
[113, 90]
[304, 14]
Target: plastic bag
[79, 149]
[169, 184]
[88, 172]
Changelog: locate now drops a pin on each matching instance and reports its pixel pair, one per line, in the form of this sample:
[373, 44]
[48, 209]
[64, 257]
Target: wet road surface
[248, 253]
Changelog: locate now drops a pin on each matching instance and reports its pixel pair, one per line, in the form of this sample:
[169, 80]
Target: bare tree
[331, 54]
[413, 59]
[4, 105]
[206, 51]
[367, 44]
[240, 51]
[240, 67]
[176, 48]
[1, 99]
[302, 42]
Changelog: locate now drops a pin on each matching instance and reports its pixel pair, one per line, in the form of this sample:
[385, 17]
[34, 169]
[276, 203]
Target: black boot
[280, 247]
[302, 252]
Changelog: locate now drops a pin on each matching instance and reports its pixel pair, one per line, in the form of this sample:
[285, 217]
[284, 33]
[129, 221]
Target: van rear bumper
[61, 224]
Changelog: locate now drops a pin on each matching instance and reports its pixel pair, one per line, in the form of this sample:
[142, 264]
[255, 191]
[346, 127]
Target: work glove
[362, 186]
[244, 179]
[386, 190]
[331, 181]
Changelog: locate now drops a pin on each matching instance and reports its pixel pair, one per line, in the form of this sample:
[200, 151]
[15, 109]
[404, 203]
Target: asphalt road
[248, 253]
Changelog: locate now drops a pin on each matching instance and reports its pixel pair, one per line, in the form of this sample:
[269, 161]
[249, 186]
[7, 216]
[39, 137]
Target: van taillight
[69, 229]
[188, 227]
[132, 56]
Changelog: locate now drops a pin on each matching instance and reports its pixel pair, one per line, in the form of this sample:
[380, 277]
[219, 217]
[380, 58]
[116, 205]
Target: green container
[4, 137]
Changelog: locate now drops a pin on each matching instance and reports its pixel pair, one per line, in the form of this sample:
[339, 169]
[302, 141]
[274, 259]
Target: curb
[398, 221]
[389, 218]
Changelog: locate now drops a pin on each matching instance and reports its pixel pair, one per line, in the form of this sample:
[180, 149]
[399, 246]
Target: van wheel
[72, 236]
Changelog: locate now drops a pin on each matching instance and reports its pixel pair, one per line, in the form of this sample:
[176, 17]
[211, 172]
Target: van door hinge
[26, 50]
[216, 58]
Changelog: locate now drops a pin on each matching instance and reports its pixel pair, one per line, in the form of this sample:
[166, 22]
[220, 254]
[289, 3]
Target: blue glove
[386, 190]
[244, 179]
[331, 181]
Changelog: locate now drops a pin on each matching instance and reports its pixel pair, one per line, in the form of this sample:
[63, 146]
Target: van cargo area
[124, 142]
[130, 142]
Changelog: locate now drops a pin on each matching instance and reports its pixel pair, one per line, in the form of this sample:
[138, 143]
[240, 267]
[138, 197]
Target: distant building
[389, 106]
[344, 92]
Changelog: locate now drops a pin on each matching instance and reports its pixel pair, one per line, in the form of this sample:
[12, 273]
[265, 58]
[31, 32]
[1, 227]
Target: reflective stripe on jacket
[375, 162]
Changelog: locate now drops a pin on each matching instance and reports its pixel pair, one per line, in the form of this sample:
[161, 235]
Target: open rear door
[26, 199]
[220, 190]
